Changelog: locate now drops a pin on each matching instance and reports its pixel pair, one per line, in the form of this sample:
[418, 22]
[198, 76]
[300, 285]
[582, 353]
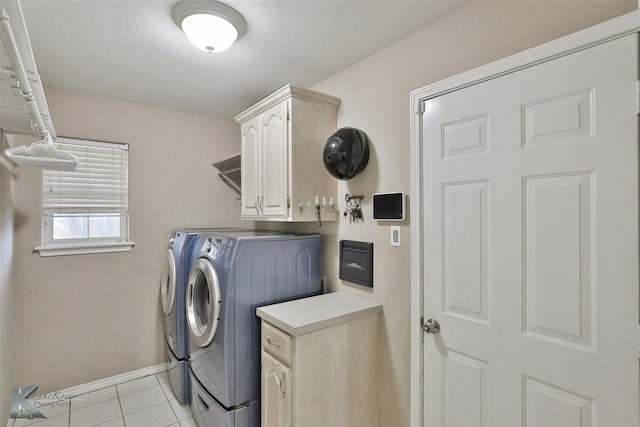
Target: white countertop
[306, 315]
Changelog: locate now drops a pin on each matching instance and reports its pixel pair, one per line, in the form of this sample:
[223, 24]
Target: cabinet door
[250, 172]
[275, 161]
[276, 393]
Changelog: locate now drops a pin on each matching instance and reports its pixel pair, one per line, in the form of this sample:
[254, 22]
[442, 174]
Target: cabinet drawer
[276, 342]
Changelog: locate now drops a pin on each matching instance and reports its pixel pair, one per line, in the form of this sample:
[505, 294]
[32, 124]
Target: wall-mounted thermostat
[389, 206]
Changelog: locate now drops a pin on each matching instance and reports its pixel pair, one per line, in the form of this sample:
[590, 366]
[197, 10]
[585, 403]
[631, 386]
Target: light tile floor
[144, 402]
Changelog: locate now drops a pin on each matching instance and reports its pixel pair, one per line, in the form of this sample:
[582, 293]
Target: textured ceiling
[133, 51]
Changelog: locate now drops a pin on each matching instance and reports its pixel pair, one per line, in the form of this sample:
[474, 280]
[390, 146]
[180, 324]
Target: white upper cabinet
[283, 176]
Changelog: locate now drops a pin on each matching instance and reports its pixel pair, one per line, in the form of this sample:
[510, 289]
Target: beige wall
[6, 285]
[375, 98]
[87, 317]
[82, 318]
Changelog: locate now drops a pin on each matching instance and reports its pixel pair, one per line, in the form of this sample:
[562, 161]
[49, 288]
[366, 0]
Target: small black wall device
[389, 206]
[356, 262]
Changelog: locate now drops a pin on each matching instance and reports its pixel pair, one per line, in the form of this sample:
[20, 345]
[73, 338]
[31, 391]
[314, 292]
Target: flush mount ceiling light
[210, 25]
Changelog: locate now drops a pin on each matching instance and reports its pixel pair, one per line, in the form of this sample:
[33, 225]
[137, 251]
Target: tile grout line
[149, 407]
[97, 403]
[135, 391]
[118, 396]
[120, 405]
[94, 403]
[158, 384]
[167, 397]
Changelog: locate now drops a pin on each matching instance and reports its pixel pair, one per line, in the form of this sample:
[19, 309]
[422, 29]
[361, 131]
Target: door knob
[431, 326]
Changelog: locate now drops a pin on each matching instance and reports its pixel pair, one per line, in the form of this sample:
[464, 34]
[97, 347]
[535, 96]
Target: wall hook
[348, 198]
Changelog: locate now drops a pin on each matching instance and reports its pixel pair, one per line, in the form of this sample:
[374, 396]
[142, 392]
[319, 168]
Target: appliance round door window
[168, 284]
[203, 302]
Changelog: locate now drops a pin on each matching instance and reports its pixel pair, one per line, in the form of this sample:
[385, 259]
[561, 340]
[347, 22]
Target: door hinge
[421, 108]
[638, 341]
[288, 202]
[288, 115]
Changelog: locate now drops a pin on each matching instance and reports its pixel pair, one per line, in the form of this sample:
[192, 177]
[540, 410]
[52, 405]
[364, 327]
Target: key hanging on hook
[353, 208]
[318, 211]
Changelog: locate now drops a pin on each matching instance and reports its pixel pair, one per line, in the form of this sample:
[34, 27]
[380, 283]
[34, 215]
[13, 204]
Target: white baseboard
[116, 379]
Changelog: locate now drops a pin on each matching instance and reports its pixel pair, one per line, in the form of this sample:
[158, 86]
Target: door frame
[598, 34]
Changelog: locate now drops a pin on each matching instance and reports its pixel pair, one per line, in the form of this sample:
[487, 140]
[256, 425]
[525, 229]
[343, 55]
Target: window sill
[81, 249]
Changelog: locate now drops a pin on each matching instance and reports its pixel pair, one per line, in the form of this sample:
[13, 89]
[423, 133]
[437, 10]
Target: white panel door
[275, 139]
[531, 246]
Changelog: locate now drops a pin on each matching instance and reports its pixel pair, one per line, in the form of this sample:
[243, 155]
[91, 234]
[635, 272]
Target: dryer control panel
[217, 248]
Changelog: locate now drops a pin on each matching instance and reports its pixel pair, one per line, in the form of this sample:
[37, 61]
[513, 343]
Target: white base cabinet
[320, 362]
[282, 174]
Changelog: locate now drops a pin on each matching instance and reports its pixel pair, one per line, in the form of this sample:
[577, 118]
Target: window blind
[99, 184]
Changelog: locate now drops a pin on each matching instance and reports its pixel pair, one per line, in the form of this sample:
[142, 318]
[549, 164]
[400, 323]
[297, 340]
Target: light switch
[396, 236]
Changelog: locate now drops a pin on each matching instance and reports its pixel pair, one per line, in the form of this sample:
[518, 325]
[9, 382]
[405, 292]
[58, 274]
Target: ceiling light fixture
[210, 25]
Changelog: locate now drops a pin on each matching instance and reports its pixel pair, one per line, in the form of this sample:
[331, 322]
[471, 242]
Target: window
[86, 211]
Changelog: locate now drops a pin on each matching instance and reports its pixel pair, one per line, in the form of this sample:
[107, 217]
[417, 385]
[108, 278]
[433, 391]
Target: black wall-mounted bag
[346, 153]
